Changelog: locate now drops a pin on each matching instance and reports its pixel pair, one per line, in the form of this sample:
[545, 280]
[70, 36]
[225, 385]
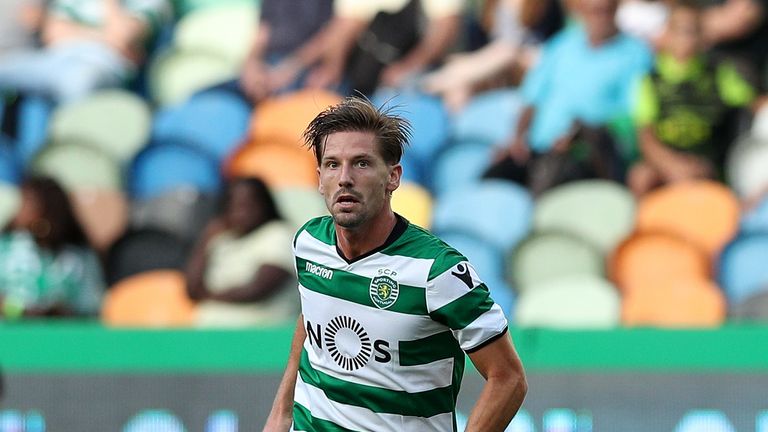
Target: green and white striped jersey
[386, 332]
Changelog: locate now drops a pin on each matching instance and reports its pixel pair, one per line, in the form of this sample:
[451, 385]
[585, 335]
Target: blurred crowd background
[602, 163]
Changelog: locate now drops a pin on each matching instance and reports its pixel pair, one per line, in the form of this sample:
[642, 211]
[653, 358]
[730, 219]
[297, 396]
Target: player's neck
[358, 241]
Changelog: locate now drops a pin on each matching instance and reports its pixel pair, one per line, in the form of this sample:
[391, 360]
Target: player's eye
[331, 164]
[363, 163]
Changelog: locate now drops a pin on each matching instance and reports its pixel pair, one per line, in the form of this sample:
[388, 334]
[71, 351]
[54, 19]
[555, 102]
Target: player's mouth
[347, 201]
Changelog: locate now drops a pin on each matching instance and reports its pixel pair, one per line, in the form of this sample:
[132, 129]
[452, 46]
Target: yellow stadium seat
[414, 203]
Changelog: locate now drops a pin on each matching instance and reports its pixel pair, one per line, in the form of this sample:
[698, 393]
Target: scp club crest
[384, 291]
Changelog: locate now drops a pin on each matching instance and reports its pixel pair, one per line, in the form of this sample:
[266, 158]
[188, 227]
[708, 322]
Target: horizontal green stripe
[61, 346]
[304, 421]
[356, 289]
[429, 349]
[422, 404]
[465, 309]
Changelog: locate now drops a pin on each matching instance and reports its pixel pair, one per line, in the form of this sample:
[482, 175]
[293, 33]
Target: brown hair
[360, 115]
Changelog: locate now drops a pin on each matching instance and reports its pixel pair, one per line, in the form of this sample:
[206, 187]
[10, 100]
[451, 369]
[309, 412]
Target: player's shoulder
[420, 243]
[320, 228]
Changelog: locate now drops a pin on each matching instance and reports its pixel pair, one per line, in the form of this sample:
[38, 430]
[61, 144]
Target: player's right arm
[281, 416]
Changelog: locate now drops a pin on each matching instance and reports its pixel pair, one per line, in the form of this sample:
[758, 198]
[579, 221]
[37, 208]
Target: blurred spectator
[46, 265]
[683, 107]
[381, 42]
[241, 270]
[19, 23]
[289, 41]
[644, 19]
[519, 27]
[582, 81]
[87, 45]
[738, 30]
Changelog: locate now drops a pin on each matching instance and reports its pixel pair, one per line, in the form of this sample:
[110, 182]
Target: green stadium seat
[175, 74]
[745, 166]
[76, 164]
[574, 302]
[115, 121]
[226, 29]
[548, 256]
[599, 211]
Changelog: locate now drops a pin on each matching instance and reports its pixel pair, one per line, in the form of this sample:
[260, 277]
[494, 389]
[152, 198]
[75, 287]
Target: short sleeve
[646, 107]
[458, 299]
[277, 241]
[733, 88]
[442, 8]
[356, 9]
[536, 81]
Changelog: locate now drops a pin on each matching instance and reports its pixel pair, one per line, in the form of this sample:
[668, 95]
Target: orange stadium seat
[278, 165]
[647, 260]
[283, 119]
[103, 214]
[680, 302]
[151, 299]
[705, 213]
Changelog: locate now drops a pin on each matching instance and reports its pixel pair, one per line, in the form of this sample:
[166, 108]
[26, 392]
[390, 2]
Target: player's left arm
[505, 386]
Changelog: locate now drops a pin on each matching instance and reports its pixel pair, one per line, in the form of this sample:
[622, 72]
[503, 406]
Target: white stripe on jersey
[448, 287]
[410, 271]
[362, 419]
[478, 332]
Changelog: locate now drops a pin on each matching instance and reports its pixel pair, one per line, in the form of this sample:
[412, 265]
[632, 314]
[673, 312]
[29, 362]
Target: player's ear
[320, 187]
[395, 174]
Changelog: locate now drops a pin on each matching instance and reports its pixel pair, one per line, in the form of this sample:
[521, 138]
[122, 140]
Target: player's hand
[278, 424]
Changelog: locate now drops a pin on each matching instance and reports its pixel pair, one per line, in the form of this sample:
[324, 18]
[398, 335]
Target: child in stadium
[683, 107]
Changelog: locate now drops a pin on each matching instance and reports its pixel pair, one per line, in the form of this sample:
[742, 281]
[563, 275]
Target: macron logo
[319, 271]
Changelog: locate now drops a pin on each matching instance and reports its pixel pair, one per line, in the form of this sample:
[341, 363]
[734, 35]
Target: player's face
[355, 180]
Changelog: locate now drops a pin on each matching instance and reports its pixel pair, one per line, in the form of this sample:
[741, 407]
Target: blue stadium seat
[499, 212]
[490, 116]
[427, 116]
[34, 115]
[742, 271]
[462, 163]
[756, 220]
[10, 169]
[487, 260]
[193, 122]
[164, 166]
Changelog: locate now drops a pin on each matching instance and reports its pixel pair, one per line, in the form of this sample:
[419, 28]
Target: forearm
[655, 153]
[56, 30]
[499, 401]
[195, 273]
[281, 414]
[524, 123]
[440, 36]
[339, 38]
[268, 280]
